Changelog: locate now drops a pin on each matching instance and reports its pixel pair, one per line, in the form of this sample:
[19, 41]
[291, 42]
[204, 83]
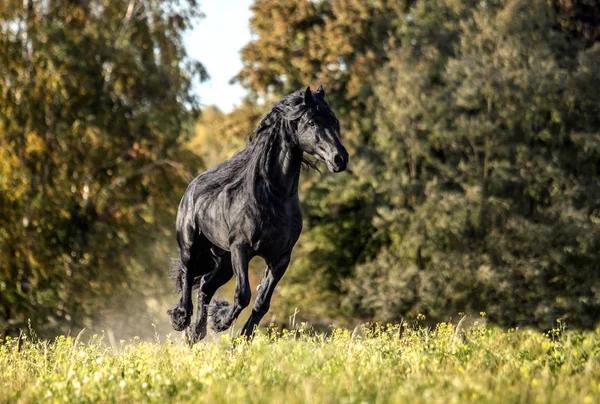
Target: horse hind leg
[181, 313]
[209, 284]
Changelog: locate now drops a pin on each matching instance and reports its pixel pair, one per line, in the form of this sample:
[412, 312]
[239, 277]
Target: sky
[216, 41]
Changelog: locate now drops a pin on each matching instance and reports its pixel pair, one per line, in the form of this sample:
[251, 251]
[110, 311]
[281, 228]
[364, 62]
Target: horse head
[319, 132]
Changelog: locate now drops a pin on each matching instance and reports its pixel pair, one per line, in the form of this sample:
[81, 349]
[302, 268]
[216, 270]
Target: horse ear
[321, 92]
[308, 96]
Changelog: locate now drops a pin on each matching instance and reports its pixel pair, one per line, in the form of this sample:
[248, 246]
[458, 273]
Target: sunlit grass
[377, 364]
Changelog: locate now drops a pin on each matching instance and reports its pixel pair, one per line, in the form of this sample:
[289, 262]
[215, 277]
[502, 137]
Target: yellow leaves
[218, 136]
[331, 42]
[78, 14]
[34, 143]
[9, 164]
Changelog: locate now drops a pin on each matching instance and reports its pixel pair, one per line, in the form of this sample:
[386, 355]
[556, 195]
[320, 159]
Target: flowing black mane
[285, 115]
[249, 167]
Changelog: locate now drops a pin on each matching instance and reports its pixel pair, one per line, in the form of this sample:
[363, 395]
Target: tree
[96, 97]
[473, 134]
[491, 176]
[338, 44]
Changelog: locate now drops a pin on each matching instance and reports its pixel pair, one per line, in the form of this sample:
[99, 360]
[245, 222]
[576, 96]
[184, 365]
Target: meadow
[383, 363]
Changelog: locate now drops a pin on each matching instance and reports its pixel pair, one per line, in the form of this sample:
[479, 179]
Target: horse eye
[311, 123]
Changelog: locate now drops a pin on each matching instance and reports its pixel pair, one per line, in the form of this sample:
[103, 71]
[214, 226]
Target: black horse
[248, 206]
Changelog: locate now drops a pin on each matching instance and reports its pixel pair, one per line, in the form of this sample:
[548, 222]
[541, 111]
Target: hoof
[220, 315]
[179, 318]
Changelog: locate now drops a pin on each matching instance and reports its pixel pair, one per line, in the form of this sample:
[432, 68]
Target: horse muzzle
[338, 163]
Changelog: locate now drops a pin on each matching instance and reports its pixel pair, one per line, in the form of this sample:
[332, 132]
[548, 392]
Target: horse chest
[278, 232]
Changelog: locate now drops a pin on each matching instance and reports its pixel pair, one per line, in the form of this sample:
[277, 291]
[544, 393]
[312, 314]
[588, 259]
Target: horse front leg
[273, 273]
[223, 314]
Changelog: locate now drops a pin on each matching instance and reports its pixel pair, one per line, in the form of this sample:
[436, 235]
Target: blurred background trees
[474, 134]
[473, 126]
[96, 99]
[490, 168]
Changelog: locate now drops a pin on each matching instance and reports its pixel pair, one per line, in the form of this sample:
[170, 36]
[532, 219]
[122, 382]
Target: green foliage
[491, 181]
[442, 364]
[95, 99]
[473, 129]
[337, 44]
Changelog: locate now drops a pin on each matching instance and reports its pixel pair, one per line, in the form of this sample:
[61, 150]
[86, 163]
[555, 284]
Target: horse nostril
[338, 160]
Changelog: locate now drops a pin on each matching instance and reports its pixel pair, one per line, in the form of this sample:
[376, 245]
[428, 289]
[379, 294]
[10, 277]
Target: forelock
[292, 108]
[323, 109]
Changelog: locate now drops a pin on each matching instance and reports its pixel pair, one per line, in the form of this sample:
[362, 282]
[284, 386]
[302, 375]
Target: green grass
[481, 364]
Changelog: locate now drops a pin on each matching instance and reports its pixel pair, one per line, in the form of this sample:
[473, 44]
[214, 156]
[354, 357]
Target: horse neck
[283, 164]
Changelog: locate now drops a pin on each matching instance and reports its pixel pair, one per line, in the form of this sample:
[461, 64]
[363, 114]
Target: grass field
[479, 364]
